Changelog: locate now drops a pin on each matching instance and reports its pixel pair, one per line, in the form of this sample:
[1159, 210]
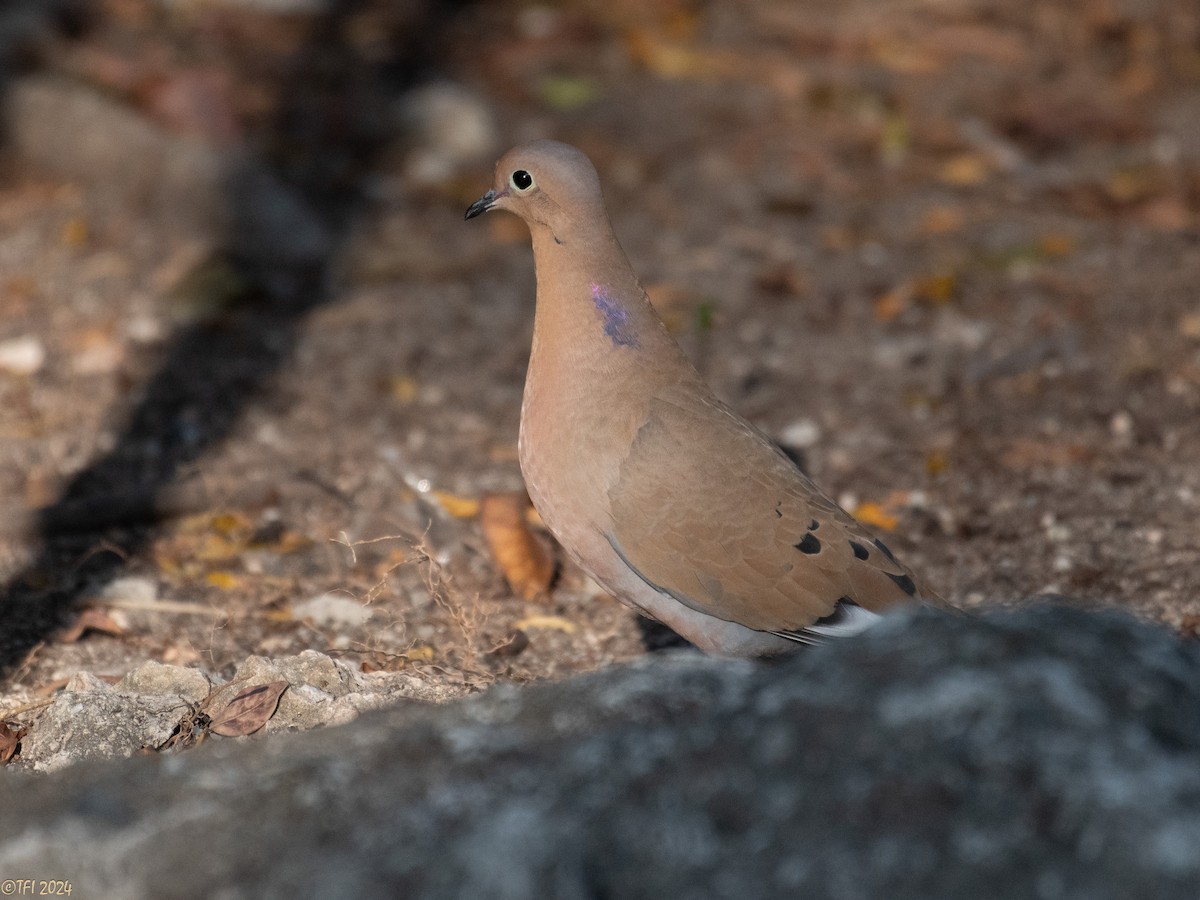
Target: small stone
[132, 588]
[82, 682]
[803, 433]
[144, 329]
[1058, 533]
[22, 355]
[156, 678]
[336, 610]
[449, 126]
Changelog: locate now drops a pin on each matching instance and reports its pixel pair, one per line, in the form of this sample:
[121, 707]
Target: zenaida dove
[670, 499]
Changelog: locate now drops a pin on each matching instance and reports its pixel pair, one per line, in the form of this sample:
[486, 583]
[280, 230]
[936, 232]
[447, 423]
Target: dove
[668, 498]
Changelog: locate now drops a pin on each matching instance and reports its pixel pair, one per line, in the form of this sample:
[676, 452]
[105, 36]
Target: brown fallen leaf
[10, 742]
[939, 220]
[456, 506]
[889, 305]
[248, 711]
[527, 565]
[875, 515]
[513, 645]
[1028, 453]
[90, 619]
[965, 170]
[1189, 325]
[937, 289]
[936, 462]
[226, 581]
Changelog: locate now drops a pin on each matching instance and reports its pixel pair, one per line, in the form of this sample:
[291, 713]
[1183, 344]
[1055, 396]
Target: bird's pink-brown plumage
[670, 499]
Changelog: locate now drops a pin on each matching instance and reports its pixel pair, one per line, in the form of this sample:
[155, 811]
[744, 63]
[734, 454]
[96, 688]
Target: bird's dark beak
[482, 205]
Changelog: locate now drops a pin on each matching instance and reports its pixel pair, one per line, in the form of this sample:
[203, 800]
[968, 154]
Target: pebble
[333, 609]
[22, 355]
[803, 433]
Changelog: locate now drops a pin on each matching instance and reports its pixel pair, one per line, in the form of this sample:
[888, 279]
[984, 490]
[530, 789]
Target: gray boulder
[1043, 754]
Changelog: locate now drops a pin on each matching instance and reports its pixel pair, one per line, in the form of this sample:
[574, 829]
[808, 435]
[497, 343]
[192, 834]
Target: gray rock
[28, 28]
[1045, 754]
[213, 195]
[447, 128]
[99, 722]
[93, 720]
[323, 691]
[334, 609]
[153, 677]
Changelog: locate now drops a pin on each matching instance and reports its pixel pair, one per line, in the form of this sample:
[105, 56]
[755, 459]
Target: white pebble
[803, 433]
[22, 355]
[1121, 424]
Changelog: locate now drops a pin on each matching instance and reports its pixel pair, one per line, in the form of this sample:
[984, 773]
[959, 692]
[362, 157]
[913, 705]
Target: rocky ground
[256, 374]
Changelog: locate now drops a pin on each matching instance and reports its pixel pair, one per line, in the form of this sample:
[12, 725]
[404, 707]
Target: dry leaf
[1132, 184]
[403, 389]
[1056, 244]
[1166, 214]
[458, 507]
[10, 742]
[875, 516]
[527, 565]
[965, 170]
[941, 220]
[890, 305]
[229, 524]
[90, 619]
[1026, 453]
[515, 644]
[784, 279]
[226, 581]
[420, 653]
[75, 232]
[937, 290]
[936, 462]
[1189, 325]
[249, 710]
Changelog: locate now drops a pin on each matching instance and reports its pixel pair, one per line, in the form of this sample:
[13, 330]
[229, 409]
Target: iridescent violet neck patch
[614, 316]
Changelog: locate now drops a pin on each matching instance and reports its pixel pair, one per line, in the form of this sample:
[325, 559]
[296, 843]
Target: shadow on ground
[324, 137]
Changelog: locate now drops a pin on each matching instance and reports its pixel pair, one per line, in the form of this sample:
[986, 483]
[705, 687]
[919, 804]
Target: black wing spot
[814, 525]
[809, 544]
[884, 550]
[903, 582]
[860, 552]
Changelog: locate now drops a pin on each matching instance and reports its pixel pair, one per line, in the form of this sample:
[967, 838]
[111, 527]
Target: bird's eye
[522, 180]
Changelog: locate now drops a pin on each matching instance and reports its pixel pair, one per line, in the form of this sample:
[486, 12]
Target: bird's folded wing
[708, 510]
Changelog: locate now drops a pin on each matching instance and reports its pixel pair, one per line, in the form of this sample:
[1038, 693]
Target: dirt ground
[946, 252]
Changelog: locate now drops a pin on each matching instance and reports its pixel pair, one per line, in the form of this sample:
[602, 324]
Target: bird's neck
[600, 355]
[593, 321]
